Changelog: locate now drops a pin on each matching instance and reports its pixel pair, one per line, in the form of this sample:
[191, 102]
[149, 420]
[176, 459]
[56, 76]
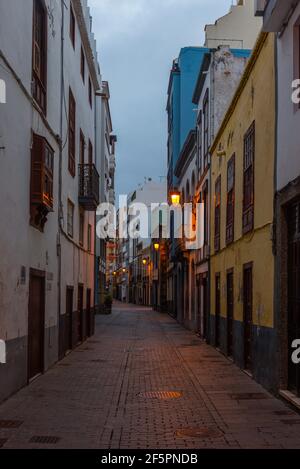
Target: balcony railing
[89, 196]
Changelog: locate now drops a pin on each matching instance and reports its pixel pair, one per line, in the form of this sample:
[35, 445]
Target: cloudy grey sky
[137, 41]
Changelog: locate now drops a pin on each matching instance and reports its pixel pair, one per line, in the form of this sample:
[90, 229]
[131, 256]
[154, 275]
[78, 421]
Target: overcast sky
[137, 41]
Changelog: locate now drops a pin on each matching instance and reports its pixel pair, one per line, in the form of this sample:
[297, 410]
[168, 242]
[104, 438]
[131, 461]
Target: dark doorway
[293, 293]
[230, 300]
[36, 324]
[69, 318]
[80, 314]
[88, 313]
[248, 296]
[218, 310]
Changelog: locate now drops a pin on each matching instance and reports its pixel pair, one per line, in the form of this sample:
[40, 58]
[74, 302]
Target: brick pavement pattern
[145, 382]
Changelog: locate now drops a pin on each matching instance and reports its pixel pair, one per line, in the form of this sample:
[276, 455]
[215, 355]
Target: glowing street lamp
[156, 246]
[144, 261]
[175, 197]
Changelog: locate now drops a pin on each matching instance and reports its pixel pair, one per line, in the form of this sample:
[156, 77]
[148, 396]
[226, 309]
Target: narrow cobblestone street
[94, 398]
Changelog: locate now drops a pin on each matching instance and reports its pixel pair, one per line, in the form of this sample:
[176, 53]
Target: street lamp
[144, 261]
[156, 246]
[175, 197]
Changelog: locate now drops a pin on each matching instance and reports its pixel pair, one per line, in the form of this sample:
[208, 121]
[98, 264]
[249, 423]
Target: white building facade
[50, 184]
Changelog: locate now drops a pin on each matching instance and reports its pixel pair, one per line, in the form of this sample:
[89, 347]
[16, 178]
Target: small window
[72, 133]
[81, 227]
[89, 238]
[82, 65]
[72, 27]
[70, 221]
[199, 143]
[217, 214]
[39, 61]
[206, 128]
[230, 201]
[248, 200]
[82, 148]
[90, 93]
[91, 151]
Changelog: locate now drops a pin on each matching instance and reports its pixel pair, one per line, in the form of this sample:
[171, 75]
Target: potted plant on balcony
[108, 301]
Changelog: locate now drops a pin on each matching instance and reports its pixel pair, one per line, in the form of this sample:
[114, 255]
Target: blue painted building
[181, 111]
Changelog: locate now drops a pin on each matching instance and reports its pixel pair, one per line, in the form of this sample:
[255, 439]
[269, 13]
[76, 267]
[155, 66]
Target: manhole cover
[201, 433]
[45, 440]
[249, 396]
[162, 395]
[10, 423]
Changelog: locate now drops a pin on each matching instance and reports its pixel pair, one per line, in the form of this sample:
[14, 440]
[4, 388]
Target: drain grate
[161, 395]
[10, 423]
[64, 364]
[201, 433]
[3, 441]
[45, 440]
[248, 396]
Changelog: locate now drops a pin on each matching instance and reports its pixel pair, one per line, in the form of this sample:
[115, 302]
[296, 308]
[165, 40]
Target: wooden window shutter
[37, 159]
[72, 133]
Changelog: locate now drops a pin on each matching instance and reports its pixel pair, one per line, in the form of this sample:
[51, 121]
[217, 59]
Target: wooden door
[293, 294]
[80, 314]
[218, 310]
[230, 300]
[36, 324]
[69, 318]
[248, 302]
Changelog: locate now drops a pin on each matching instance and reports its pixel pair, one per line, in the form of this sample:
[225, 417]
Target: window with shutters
[70, 219]
[217, 214]
[90, 153]
[199, 143]
[206, 128]
[230, 201]
[89, 238]
[82, 147]
[81, 227]
[72, 27]
[82, 65]
[39, 55]
[72, 133]
[90, 93]
[248, 199]
[41, 181]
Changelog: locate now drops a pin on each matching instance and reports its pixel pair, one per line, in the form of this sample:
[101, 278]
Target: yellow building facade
[242, 211]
